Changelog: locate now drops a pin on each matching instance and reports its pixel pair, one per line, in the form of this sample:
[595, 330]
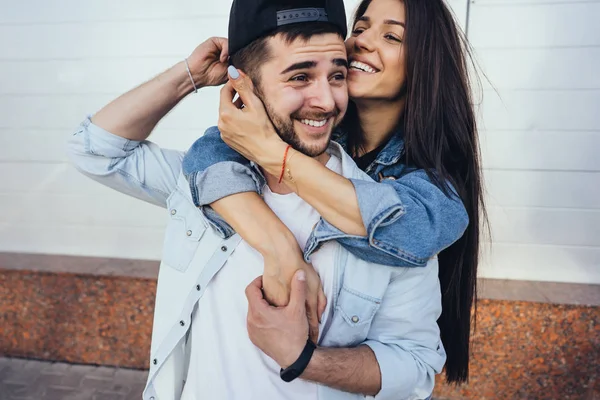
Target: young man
[379, 334]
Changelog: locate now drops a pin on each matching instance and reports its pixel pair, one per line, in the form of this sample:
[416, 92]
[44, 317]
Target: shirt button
[173, 211]
[155, 361]
[198, 287]
[181, 323]
[355, 319]
[152, 398]
[189, 233]
[223, 248]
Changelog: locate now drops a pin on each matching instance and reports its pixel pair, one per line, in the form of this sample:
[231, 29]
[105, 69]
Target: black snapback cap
[252, 19]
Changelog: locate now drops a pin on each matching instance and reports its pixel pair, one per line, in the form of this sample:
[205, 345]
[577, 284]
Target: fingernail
[301, 275]
[233, 72]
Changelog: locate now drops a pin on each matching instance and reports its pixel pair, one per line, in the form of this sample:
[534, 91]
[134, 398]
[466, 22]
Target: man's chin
[310, 148]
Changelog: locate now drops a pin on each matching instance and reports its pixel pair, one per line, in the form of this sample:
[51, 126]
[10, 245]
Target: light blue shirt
[394, 311]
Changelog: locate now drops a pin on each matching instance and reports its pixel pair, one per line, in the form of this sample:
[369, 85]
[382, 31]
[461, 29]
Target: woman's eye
[394, 38]
[358, 31]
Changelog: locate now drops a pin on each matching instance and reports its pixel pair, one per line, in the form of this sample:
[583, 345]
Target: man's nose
[322, 97]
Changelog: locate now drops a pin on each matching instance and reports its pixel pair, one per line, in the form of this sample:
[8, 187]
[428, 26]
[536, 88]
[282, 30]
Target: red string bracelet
[283, 163]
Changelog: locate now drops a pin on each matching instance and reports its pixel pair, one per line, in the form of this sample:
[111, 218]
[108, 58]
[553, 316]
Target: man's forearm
[354, 370]
[135, 114]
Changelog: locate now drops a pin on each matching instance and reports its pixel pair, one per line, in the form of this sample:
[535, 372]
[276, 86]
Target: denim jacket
[408, 218]
[394, 311]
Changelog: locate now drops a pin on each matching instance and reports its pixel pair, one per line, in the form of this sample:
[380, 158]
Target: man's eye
[339, 77]
[299, 78]
[358, 31]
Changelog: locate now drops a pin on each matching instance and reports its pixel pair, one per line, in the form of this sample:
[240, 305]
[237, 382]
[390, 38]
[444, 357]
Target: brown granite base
[526, 350]
[96, 317]
[99, 311]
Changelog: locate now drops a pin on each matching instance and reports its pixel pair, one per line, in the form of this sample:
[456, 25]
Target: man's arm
[404, 340]
[353, 370]
[111, 148]
[134, 115]
[281, 333]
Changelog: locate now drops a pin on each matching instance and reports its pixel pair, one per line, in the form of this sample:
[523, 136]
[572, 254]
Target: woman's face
[376, 53]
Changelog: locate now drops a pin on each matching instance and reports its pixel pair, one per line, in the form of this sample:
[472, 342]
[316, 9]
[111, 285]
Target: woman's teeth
[314, 123]
[362, 67]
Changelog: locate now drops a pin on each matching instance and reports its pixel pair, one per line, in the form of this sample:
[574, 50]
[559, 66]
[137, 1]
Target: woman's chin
[358, 92]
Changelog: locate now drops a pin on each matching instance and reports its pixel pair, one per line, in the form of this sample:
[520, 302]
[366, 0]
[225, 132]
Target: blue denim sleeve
[214, 171]
[408, 221]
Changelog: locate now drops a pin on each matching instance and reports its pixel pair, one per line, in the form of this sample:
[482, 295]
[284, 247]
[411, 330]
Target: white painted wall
[541, 136]
[62, 60]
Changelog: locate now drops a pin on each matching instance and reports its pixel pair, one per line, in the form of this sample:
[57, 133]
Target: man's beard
[285, 130]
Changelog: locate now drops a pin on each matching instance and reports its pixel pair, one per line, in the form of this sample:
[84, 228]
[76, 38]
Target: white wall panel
[66, 111]
[565, 68]
[110, 39]
[554, 189]
[64, 11]
[540, 135]
[94, 241]
[545, 109]
[80, 76]
[541, 150]
[109, 209]
[545, 226]
[48, 145]
[542, 263]
[530, 25]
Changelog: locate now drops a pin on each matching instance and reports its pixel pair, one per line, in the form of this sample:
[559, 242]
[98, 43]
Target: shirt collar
[393, 150]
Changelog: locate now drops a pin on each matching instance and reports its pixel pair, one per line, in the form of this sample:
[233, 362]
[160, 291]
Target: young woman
[411, 127]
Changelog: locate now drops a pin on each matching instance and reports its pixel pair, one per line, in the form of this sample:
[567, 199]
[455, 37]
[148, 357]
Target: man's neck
[282, 188]
[378, 120]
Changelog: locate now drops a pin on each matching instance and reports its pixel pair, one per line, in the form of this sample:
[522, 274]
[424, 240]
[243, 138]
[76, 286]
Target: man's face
[303, 87]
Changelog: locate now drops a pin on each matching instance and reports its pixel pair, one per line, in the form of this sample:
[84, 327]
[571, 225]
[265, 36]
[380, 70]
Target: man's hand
[280, 332]
[277, 284]
[208, 62]
[248, 129]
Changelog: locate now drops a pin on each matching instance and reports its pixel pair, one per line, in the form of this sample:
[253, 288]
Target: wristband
[283, 162]
[187, 66]
[298, 367]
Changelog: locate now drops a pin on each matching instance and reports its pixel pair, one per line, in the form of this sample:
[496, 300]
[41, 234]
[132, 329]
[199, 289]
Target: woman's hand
[245, 125]
[208, 62]
[280, 268]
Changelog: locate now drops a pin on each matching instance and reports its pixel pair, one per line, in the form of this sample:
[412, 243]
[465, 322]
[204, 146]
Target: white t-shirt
[224, 364]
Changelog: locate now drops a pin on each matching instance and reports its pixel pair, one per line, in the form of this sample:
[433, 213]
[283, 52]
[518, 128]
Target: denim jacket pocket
[184, 230]
[353, 317]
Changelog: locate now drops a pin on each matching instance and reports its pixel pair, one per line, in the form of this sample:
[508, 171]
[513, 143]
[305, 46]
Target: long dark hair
[440, 136]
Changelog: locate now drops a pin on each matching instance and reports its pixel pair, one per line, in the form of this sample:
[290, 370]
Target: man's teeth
[312, 122]
[362, 66]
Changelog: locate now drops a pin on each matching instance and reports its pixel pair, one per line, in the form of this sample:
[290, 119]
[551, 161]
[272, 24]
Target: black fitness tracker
[298, 367]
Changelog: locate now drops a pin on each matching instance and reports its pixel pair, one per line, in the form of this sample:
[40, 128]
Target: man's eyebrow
[340, 62]
[386, 22]
[300, 65]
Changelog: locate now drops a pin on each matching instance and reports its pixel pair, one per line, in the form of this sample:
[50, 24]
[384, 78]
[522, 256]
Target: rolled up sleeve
[410, 219]
[139, 169]
[215, 171]
[405, 336]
